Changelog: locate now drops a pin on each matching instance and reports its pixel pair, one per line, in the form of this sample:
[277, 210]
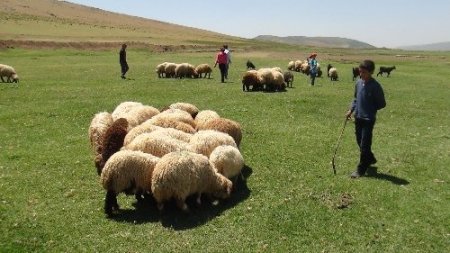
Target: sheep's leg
[182, 205]
[2, 79]
[160, 206]
[111, 202]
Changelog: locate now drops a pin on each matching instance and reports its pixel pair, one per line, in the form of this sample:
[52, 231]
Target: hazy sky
[381, 23]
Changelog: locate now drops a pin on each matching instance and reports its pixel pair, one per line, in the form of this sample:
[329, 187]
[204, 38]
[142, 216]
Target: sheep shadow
[172, 217]
[372, 172]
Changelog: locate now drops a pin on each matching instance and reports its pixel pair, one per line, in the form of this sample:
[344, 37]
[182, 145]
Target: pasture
[51, 199]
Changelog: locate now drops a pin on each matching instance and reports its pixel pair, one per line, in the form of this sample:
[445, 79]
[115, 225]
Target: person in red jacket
[222, 60]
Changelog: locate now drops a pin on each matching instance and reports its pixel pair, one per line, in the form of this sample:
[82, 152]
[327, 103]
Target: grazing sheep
[123, 109]
[250, 65]
[184, 70]
[157, 144]
[205, 116]
[129, 172]
[329, 66]
[386, 70]
[176, 114]
[227, 160]
[333, 74]
[203, 69]
[170, 69]
[97, 129]
[250, 79]
[355, 72]
[8, 72]
[190, 108]
[172, 123]
[140, 114]
[224, 125]
[205, 141]
[146, 127]
[288, 78]
[272, 79]
[278, 81]
[291, 66]
[112, 142]
[297, 65]
[178, 175]
[161, 69]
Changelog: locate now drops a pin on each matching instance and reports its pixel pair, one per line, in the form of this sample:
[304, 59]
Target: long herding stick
[337, 146]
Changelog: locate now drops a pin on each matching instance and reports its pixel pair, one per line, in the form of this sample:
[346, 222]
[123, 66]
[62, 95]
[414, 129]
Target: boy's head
[368, 65]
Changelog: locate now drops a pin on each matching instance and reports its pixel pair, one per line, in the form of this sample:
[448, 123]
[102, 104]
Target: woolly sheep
[288, 78]
[178, 175]
[205, 141]
[9, 72]
[170, 69]
[184, 70]
[112, 142]
[123, 108]
[333, 74]
[157, 144]
[205, 116]
[140, 114]
[178, 115]
[97, 129]
[227, 160]
[129, 172]
[172, 123]
[203, 69]
[146, 127]
[161, 69]
[250, 79]
[291, 65]
[190, 108]
[224, 125]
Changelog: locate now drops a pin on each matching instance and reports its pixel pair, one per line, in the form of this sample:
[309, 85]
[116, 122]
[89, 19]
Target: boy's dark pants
[363, 131]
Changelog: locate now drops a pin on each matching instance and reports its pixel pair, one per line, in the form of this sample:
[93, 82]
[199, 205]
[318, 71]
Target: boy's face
[365, 74]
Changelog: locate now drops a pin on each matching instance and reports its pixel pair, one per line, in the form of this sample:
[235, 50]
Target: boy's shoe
[357, 173]
[373, 160]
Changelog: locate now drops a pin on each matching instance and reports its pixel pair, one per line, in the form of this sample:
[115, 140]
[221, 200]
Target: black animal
[355, 71]
[250, 65]
[385, 70]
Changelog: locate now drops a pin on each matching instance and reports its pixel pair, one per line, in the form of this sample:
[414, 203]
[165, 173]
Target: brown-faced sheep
[178, 175]
[170, 69]
[129, 172]
[205, 141]
[224, 125]
[8, 72]
[227, 160]
[203, 69]
[250, 81]
[112, 142]
[288, 78]
[157, 144]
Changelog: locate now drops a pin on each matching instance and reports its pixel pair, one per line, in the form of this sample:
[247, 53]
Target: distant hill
[335, 42]
[50, 22]
[442, 46]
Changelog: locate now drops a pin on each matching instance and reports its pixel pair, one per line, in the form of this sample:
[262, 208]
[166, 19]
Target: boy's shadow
[172, 217]
[372, 172]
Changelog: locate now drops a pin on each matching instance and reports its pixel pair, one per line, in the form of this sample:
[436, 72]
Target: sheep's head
[15, 78]
[224, 189]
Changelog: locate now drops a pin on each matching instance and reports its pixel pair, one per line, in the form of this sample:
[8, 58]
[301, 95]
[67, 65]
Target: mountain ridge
[337, 42]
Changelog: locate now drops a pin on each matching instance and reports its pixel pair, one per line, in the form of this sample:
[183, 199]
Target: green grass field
[51, 199]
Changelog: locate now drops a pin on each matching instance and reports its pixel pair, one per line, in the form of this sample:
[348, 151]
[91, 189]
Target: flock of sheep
[181, 70]
[8, 72]
[169, 154]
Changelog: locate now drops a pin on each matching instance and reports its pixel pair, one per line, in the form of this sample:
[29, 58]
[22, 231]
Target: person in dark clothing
[222, 60]
[368, 99]
[123, 60]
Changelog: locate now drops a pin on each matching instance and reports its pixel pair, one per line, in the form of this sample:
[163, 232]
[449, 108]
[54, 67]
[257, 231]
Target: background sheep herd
[166, 154]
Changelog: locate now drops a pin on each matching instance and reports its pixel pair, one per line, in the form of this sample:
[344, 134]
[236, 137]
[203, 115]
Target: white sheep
[203, 69]
[135, 113]
[123, 108]
[157, 144]
[227, 160]
[172, 123]
[204, 116]
[129, 172]
[178, 175]
[291, 65]
[176, 114]
[205, 141]
[146, 127]
[224, 125]
[8, 72]
[190, 108]
[184, 70]
[333, 74]
[161, 69]
[97, 129]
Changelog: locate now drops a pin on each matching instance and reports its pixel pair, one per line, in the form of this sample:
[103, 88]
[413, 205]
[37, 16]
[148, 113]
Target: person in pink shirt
[222, 60]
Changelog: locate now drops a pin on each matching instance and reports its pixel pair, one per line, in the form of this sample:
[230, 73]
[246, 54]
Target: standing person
[123, 60]
[312, 62]
[228, 53]
[368, 99]
[222, 60]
